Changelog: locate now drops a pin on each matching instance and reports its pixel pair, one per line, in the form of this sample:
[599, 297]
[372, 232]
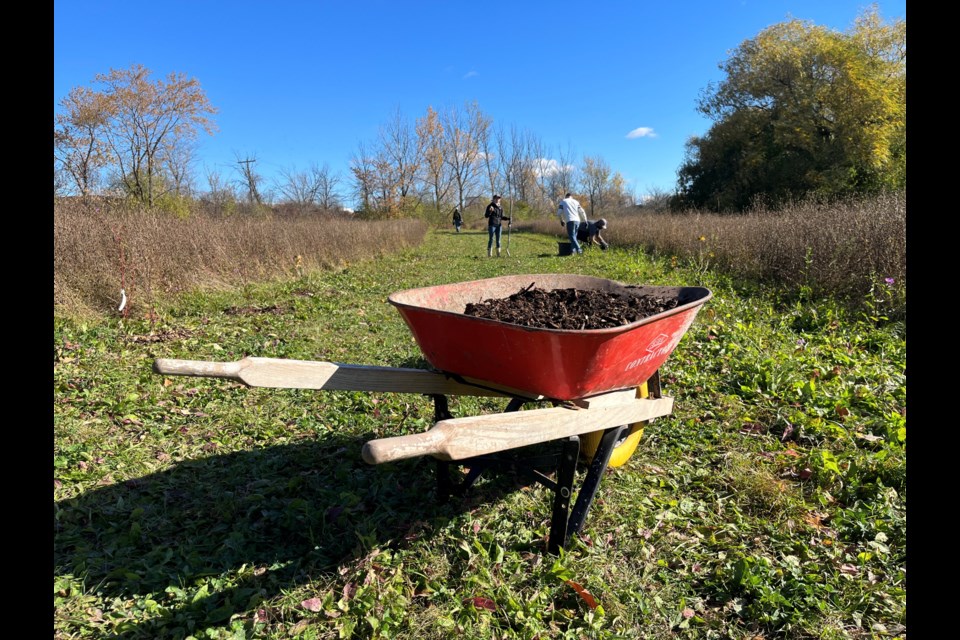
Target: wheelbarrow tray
[559, 364]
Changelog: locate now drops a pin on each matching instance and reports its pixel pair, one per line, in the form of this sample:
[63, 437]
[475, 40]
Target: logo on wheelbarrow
[661, 345]
[656, 342]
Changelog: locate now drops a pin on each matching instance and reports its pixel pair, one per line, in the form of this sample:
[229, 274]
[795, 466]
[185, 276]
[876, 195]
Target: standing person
[589, 232]
[495, 218]
[457, 218]
[571, 214]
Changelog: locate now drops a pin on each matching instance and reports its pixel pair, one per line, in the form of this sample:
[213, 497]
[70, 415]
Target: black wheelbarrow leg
[441, 411]
[588, 489]
[562, 493]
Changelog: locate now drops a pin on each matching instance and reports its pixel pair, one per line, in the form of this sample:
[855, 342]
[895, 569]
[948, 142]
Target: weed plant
[771, 503]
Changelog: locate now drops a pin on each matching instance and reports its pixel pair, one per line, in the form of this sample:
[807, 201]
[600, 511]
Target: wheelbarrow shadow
[272, 517]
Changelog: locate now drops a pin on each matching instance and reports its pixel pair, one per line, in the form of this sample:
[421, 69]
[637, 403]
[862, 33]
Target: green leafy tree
[803, 109]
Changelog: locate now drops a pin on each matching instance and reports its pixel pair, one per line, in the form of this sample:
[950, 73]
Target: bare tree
[364, 187]
[489, 155]
[436, 175]
[327, 182]
[565, 177]
[616, 193]
[220, 194]
[177, 160]
[542, 168]
[143, 116]
[595, 179]
[78, 138]
[657, 199]
[298, 188]
[402, 149]
[61, 179]
[510, 163]
[526, 144]
[463, 129]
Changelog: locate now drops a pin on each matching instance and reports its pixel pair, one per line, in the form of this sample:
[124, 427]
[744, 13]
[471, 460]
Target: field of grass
[770, 504]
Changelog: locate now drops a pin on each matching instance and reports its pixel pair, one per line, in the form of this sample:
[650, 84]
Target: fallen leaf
[299, 628]
[814, 520]
[481, 603]
[849, 569]
[791, 452]
[805, 473]
[313, 604]
[583, 593]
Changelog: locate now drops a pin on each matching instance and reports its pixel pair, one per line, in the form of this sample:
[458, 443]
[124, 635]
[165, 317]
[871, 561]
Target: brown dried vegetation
[841, 249]
[101, 247]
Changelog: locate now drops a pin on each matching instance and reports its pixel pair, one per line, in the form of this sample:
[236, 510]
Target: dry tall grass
[848, 250]
[100, 248]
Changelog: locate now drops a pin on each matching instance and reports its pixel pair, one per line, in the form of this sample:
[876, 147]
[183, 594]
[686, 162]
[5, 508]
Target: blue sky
[301, 83]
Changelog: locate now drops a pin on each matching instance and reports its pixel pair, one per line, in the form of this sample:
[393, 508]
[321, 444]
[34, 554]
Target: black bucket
[564, 248]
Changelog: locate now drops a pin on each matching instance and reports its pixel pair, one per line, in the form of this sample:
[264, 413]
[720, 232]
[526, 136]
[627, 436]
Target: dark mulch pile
[571, 308]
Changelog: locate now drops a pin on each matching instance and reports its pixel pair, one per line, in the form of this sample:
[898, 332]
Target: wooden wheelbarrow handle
[330, 376]
[460, 438]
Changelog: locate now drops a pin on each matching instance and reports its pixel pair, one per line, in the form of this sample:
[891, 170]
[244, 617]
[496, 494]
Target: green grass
[770, 503]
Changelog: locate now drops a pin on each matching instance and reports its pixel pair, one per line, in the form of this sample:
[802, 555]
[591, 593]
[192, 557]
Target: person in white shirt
[571, 214]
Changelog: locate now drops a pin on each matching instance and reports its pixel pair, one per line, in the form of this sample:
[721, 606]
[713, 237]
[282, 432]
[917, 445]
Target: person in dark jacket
[457, 218]
[495, 218]
[589, 233]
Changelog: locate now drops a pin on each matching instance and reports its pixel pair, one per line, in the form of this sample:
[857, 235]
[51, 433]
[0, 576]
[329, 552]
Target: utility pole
[251, 180]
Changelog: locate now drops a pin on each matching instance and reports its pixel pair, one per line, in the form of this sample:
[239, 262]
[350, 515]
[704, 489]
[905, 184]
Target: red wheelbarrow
[603, 384]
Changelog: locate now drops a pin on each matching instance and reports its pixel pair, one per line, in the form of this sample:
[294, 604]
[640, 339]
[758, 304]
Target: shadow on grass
[258, 522]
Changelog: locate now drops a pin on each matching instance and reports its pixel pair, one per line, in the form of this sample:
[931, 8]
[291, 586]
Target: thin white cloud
[469, 74]
[546, 167]
[642, 132]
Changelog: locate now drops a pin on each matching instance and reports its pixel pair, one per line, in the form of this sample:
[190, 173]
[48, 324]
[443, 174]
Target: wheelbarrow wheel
[627, 445]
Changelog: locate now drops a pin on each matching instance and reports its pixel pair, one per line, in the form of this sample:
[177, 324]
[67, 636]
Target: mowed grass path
[771, 502]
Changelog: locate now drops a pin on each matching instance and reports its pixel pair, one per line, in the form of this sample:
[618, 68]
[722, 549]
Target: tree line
[803, 109]
[135, 138]
[454, 156]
